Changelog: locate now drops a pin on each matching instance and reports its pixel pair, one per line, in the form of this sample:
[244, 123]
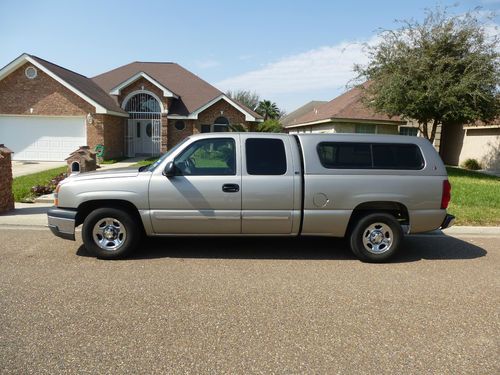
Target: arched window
[221, 124]
[142, 103]
[221, 121]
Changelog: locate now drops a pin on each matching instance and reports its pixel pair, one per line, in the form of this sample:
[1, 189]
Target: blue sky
[288, 51]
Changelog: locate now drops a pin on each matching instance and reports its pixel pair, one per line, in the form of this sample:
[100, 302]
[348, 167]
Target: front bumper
[448, 221]
[62, 222]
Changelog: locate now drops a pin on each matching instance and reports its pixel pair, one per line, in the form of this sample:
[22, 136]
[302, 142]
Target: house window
[180, 125]
[406, 130]
[221, 124]
[365, 128]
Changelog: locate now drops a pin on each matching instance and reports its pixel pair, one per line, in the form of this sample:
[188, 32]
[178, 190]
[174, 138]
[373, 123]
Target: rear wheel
[376, 237]
[110, 233]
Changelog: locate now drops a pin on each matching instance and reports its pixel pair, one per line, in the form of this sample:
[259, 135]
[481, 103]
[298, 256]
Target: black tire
[376, 238]
[124, 233]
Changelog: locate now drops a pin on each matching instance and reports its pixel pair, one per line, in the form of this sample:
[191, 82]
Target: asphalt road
[246, 306]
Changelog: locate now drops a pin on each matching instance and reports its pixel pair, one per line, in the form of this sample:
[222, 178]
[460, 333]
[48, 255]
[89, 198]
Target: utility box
[82, 160]
[6, 196]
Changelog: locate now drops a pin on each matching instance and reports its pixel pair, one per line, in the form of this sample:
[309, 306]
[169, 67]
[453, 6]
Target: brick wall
[6, 197]
[109, 131]
[175, 136]
[43, 94]
[221, 108]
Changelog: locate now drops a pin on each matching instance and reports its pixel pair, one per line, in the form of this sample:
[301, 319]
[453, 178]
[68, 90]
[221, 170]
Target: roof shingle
[349, 105]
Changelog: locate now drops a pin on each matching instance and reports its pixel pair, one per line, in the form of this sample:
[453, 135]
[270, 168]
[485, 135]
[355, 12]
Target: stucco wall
[483, 145]
[332, 127]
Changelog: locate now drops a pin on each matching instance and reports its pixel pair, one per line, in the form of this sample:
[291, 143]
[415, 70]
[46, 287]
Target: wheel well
[396, 209]
[86, 208]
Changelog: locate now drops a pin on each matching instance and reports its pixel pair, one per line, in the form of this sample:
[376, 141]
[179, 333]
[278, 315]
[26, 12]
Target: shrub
[38, 190]
[471, 164]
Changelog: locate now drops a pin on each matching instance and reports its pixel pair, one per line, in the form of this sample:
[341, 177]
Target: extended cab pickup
[371, 189]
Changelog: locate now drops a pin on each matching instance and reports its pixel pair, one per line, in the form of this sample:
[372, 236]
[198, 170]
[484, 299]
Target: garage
[42, 138]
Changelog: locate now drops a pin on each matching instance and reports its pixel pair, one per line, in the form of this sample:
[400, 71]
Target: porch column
[164, 133]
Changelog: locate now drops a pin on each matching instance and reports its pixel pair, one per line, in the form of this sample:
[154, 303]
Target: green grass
[145, 162]
[21, 186]
[475, 197]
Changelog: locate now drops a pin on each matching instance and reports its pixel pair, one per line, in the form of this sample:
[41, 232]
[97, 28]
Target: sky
[290, 52]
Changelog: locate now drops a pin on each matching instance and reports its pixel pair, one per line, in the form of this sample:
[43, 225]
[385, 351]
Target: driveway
[22, 168]
[248, 305]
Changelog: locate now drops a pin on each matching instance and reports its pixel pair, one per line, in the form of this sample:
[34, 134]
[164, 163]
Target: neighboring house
[143, 108]
[345, 114]
[291, 118]
[348, 114]
[478, 141]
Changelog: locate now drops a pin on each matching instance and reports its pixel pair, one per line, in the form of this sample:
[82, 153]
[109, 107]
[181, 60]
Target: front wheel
[110, 233]
[376, 238]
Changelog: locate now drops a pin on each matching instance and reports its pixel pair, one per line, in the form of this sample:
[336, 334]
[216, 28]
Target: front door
[204, 197]
[143, 136]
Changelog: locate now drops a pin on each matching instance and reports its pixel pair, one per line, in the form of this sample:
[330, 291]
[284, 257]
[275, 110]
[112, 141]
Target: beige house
[345, 114]
[348, 114]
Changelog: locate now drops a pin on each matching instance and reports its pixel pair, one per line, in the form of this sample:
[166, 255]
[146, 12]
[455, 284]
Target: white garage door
[42, 138]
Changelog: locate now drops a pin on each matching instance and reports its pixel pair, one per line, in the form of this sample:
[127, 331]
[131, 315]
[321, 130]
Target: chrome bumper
[448, 221]
[62, 222]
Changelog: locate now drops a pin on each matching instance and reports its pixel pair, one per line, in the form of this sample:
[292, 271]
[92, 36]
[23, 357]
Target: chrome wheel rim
[378, 238]
[109, 234]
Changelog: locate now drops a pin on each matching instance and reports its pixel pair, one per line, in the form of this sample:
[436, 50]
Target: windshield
[152, 167]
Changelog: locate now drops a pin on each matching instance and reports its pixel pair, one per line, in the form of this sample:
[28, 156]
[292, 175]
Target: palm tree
[268, 109]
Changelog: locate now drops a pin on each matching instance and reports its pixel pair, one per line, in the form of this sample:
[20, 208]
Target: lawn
[21, 186]
[145, 162]
[475, 197]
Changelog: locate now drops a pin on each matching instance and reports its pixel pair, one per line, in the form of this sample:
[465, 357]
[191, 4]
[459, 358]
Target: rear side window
[345, 155]
[396, 156]
[265, 156]
[351, 155]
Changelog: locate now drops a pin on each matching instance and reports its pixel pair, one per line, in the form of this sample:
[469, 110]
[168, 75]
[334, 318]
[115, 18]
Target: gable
[80, 85]
[39, 96]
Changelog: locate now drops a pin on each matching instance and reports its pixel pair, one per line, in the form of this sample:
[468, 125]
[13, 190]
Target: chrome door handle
[230, 188]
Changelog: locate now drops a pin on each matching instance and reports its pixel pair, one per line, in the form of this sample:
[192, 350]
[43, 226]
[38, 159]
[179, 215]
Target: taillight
[445, 198]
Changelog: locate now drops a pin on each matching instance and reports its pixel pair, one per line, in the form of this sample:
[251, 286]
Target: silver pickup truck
[370, 189]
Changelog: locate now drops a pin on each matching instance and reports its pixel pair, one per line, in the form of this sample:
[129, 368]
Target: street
[248, 305]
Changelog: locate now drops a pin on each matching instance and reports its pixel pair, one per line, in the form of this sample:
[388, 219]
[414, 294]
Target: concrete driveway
[22, 168]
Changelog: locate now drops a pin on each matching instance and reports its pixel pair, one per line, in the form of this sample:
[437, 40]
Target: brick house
[143, 108]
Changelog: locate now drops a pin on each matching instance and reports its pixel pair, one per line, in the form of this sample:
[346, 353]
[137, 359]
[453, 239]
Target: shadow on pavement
[26, 211]
[413, 248]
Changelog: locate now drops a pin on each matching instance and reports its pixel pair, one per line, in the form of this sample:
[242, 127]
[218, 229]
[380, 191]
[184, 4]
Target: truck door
[267, 184]
[204, 195]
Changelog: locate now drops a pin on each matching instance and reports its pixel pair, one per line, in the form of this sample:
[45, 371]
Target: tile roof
[290, 119]
[349, 106]
[83, 84]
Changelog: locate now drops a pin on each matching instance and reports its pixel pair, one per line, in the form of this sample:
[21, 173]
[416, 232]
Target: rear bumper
[448, 221]
[62, 222]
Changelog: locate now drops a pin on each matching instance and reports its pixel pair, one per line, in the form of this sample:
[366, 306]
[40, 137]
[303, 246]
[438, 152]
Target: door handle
[230, 188]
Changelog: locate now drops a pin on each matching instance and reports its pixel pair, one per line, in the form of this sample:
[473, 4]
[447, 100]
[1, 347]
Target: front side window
[208, 157]
[265, 156]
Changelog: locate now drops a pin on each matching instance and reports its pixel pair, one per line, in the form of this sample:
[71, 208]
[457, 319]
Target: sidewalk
[35, 214]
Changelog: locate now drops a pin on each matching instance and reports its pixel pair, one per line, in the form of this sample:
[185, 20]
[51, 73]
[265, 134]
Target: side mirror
[169, 170]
